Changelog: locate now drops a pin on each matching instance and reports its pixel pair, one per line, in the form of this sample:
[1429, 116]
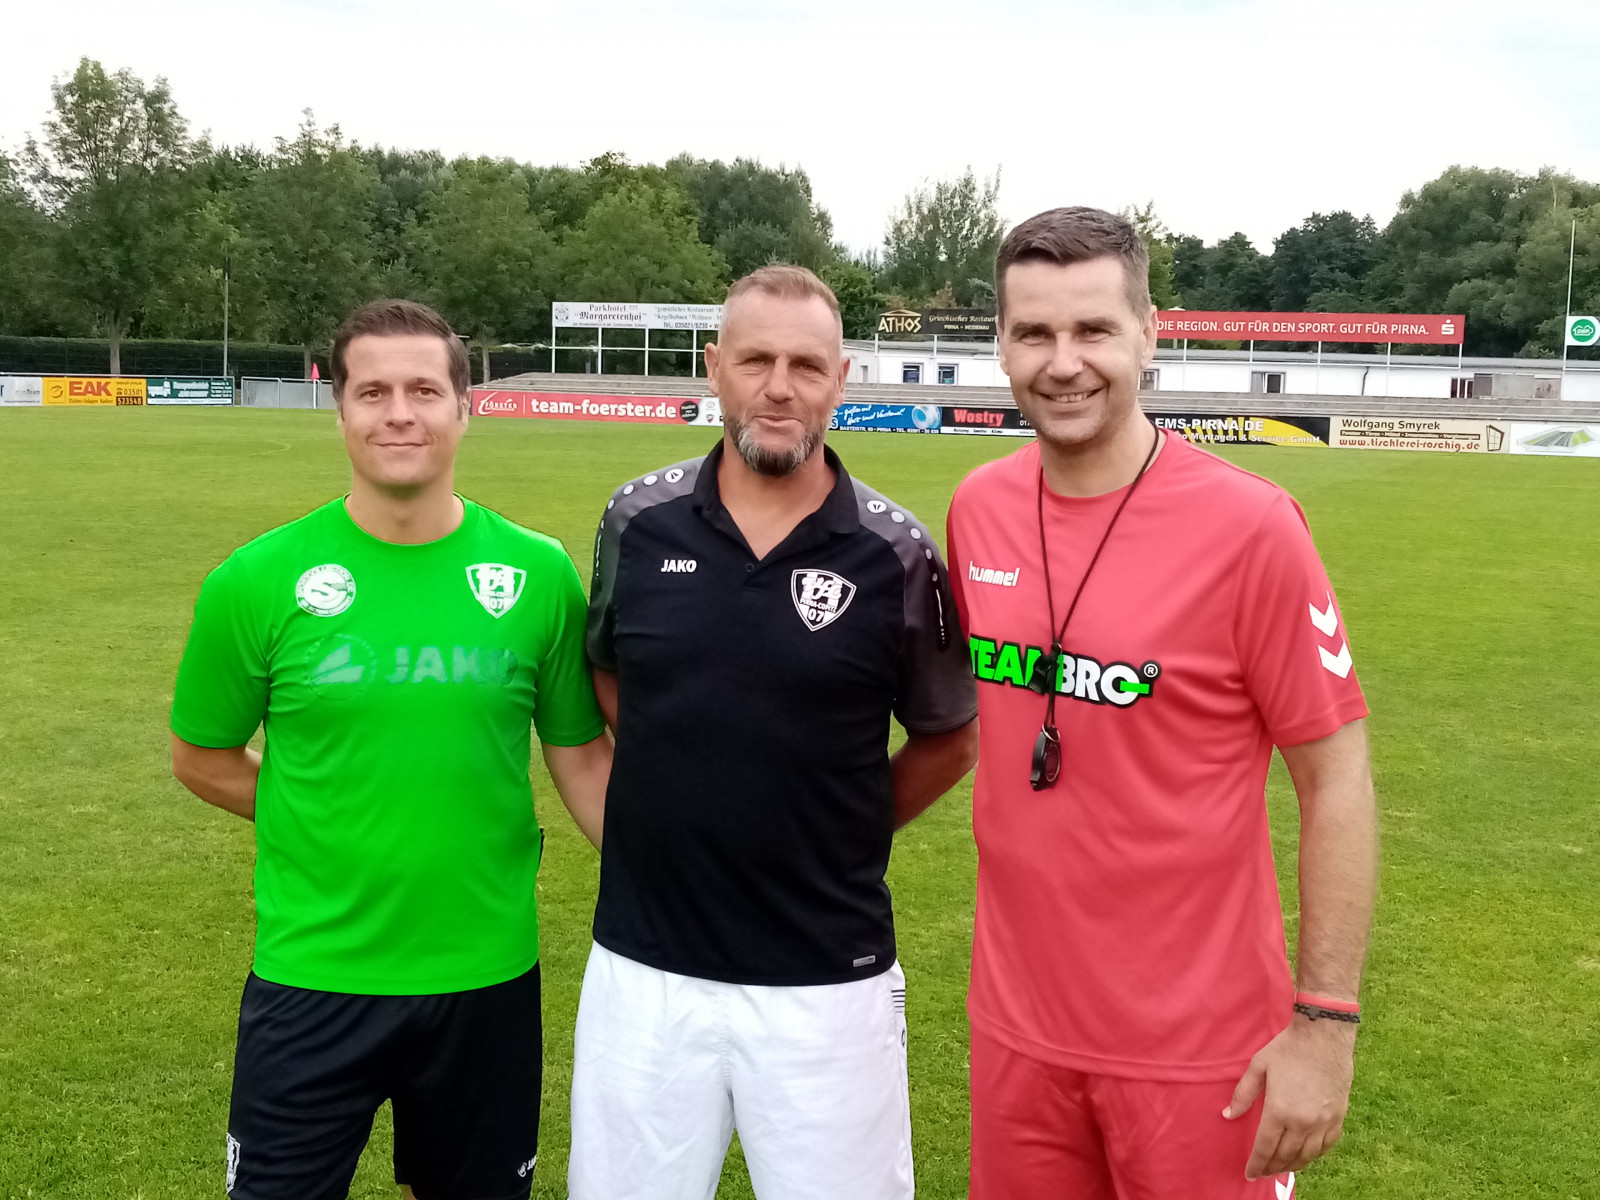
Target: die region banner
[93, 389]
[1411, 329]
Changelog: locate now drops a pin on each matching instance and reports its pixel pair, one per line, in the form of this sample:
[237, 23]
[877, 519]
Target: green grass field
[1470, 586]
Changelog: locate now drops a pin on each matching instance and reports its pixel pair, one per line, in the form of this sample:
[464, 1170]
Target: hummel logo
[1327, 621]
[685, 565]
[1338, 663]
[989, 575]
[1285, 1190]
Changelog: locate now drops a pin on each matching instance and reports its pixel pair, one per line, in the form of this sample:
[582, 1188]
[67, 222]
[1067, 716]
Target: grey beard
[776, 463]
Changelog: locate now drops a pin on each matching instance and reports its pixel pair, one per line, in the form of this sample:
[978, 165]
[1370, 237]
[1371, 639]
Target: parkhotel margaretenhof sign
[937, 322]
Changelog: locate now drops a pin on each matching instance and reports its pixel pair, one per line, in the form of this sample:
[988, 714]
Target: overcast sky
[1228, 114]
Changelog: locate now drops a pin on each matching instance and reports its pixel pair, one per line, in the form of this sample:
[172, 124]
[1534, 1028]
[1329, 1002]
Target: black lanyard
[1047, 668]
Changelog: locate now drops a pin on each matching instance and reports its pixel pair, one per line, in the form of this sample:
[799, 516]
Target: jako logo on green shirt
[1077, 676]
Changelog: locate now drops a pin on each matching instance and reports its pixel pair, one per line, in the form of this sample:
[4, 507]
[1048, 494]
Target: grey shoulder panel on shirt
[897, 526]
[657, 487]
[918, 553]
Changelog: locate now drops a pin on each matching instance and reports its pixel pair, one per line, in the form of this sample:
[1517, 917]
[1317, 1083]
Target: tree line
[117, 222]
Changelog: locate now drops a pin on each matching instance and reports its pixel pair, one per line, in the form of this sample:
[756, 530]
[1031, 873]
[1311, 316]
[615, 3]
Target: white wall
[1404, 377]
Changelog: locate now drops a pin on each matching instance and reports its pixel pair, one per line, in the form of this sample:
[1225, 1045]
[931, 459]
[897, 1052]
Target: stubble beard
[764, 460]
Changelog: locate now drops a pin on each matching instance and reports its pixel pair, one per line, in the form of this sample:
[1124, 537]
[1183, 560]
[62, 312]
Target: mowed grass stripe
[1468, 585]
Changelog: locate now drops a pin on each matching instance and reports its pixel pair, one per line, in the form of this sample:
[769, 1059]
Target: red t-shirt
[1128, 919]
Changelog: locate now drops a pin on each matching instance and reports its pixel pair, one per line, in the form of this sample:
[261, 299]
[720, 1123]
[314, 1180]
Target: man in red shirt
[1146, 622]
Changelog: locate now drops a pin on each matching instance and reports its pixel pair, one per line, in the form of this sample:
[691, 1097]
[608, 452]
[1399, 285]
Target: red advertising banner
[1429, 329]
[575, 406]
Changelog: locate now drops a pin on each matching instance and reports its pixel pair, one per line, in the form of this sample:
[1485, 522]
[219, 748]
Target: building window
[1149, 380]
[1461, 388]
[910, 372]
[1266, 383]
[947, 372]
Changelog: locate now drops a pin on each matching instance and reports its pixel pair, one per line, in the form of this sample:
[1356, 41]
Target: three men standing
[1146, 622]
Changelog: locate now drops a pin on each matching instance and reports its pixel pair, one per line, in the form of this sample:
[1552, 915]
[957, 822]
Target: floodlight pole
[647, 352]
[552, 339]
[694, 354]
[1388, 365]
[1566, 323]
[226, 272]
[599, 350]
[1319, 368]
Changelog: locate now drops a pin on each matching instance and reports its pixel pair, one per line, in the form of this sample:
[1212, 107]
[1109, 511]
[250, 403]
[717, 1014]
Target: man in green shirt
[395, 644]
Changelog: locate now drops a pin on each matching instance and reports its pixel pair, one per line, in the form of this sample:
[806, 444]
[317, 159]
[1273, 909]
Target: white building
[1263, 372]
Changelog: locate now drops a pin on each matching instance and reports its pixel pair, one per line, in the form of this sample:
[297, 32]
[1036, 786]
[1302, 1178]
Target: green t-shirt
[396, 842]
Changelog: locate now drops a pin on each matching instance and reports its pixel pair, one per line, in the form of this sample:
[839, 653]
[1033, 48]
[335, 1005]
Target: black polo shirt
[751, 809]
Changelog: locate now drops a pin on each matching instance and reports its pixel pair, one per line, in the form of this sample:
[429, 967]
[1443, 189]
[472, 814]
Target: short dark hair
[1072, 235]
[396, 318]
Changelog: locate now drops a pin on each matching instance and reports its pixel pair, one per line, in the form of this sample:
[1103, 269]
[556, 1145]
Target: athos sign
[1423, 329]
[938, 322]
[577, 314]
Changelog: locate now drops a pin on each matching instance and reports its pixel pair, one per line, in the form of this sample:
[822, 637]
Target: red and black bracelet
[1320, 1008]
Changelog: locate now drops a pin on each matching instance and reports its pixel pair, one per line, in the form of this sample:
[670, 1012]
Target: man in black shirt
[757, 617]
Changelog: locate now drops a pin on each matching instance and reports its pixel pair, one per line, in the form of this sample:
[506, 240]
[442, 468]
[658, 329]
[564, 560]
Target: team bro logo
[1081, 678]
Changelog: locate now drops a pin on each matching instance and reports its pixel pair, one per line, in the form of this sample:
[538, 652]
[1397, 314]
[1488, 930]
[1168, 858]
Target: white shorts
[667, 1066]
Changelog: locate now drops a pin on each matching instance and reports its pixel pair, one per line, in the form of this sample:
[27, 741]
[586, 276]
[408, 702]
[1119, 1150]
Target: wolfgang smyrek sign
[1425, 329]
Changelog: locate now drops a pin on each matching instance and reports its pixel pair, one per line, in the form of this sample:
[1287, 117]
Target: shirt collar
[838, 513]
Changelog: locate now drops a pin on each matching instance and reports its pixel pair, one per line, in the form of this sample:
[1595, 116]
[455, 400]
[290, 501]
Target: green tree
[640, 242]
[309, 217]
[109, 175]
[1232, 276]
[484, 257]
[946, 231]
[1321, 265]
[1536, 301]
[1490, 244]
[26, 279]
[860, 301]
[1158, 242]
[753, 214]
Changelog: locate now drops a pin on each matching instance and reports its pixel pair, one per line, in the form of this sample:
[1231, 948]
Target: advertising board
[1420, 433]
[1006, 422]
[903, 418]
[93, 389]
[572, 406]
[1282, 430]
[1419, 329]
[1561, 439]
[581, 314]
[188, 389]
[19, 390]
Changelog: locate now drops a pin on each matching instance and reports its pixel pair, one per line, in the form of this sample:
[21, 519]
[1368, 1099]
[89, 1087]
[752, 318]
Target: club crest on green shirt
[496, 586]
[326, 591]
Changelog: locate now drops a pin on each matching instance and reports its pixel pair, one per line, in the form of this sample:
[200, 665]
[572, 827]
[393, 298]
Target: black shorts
[463, 1071]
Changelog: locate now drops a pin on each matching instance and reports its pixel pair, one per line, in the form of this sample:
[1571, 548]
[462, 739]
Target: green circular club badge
[1583, 331]
[325, 591]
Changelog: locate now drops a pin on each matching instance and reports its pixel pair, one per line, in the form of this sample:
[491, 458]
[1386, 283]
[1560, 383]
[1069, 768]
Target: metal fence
[286, 393]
